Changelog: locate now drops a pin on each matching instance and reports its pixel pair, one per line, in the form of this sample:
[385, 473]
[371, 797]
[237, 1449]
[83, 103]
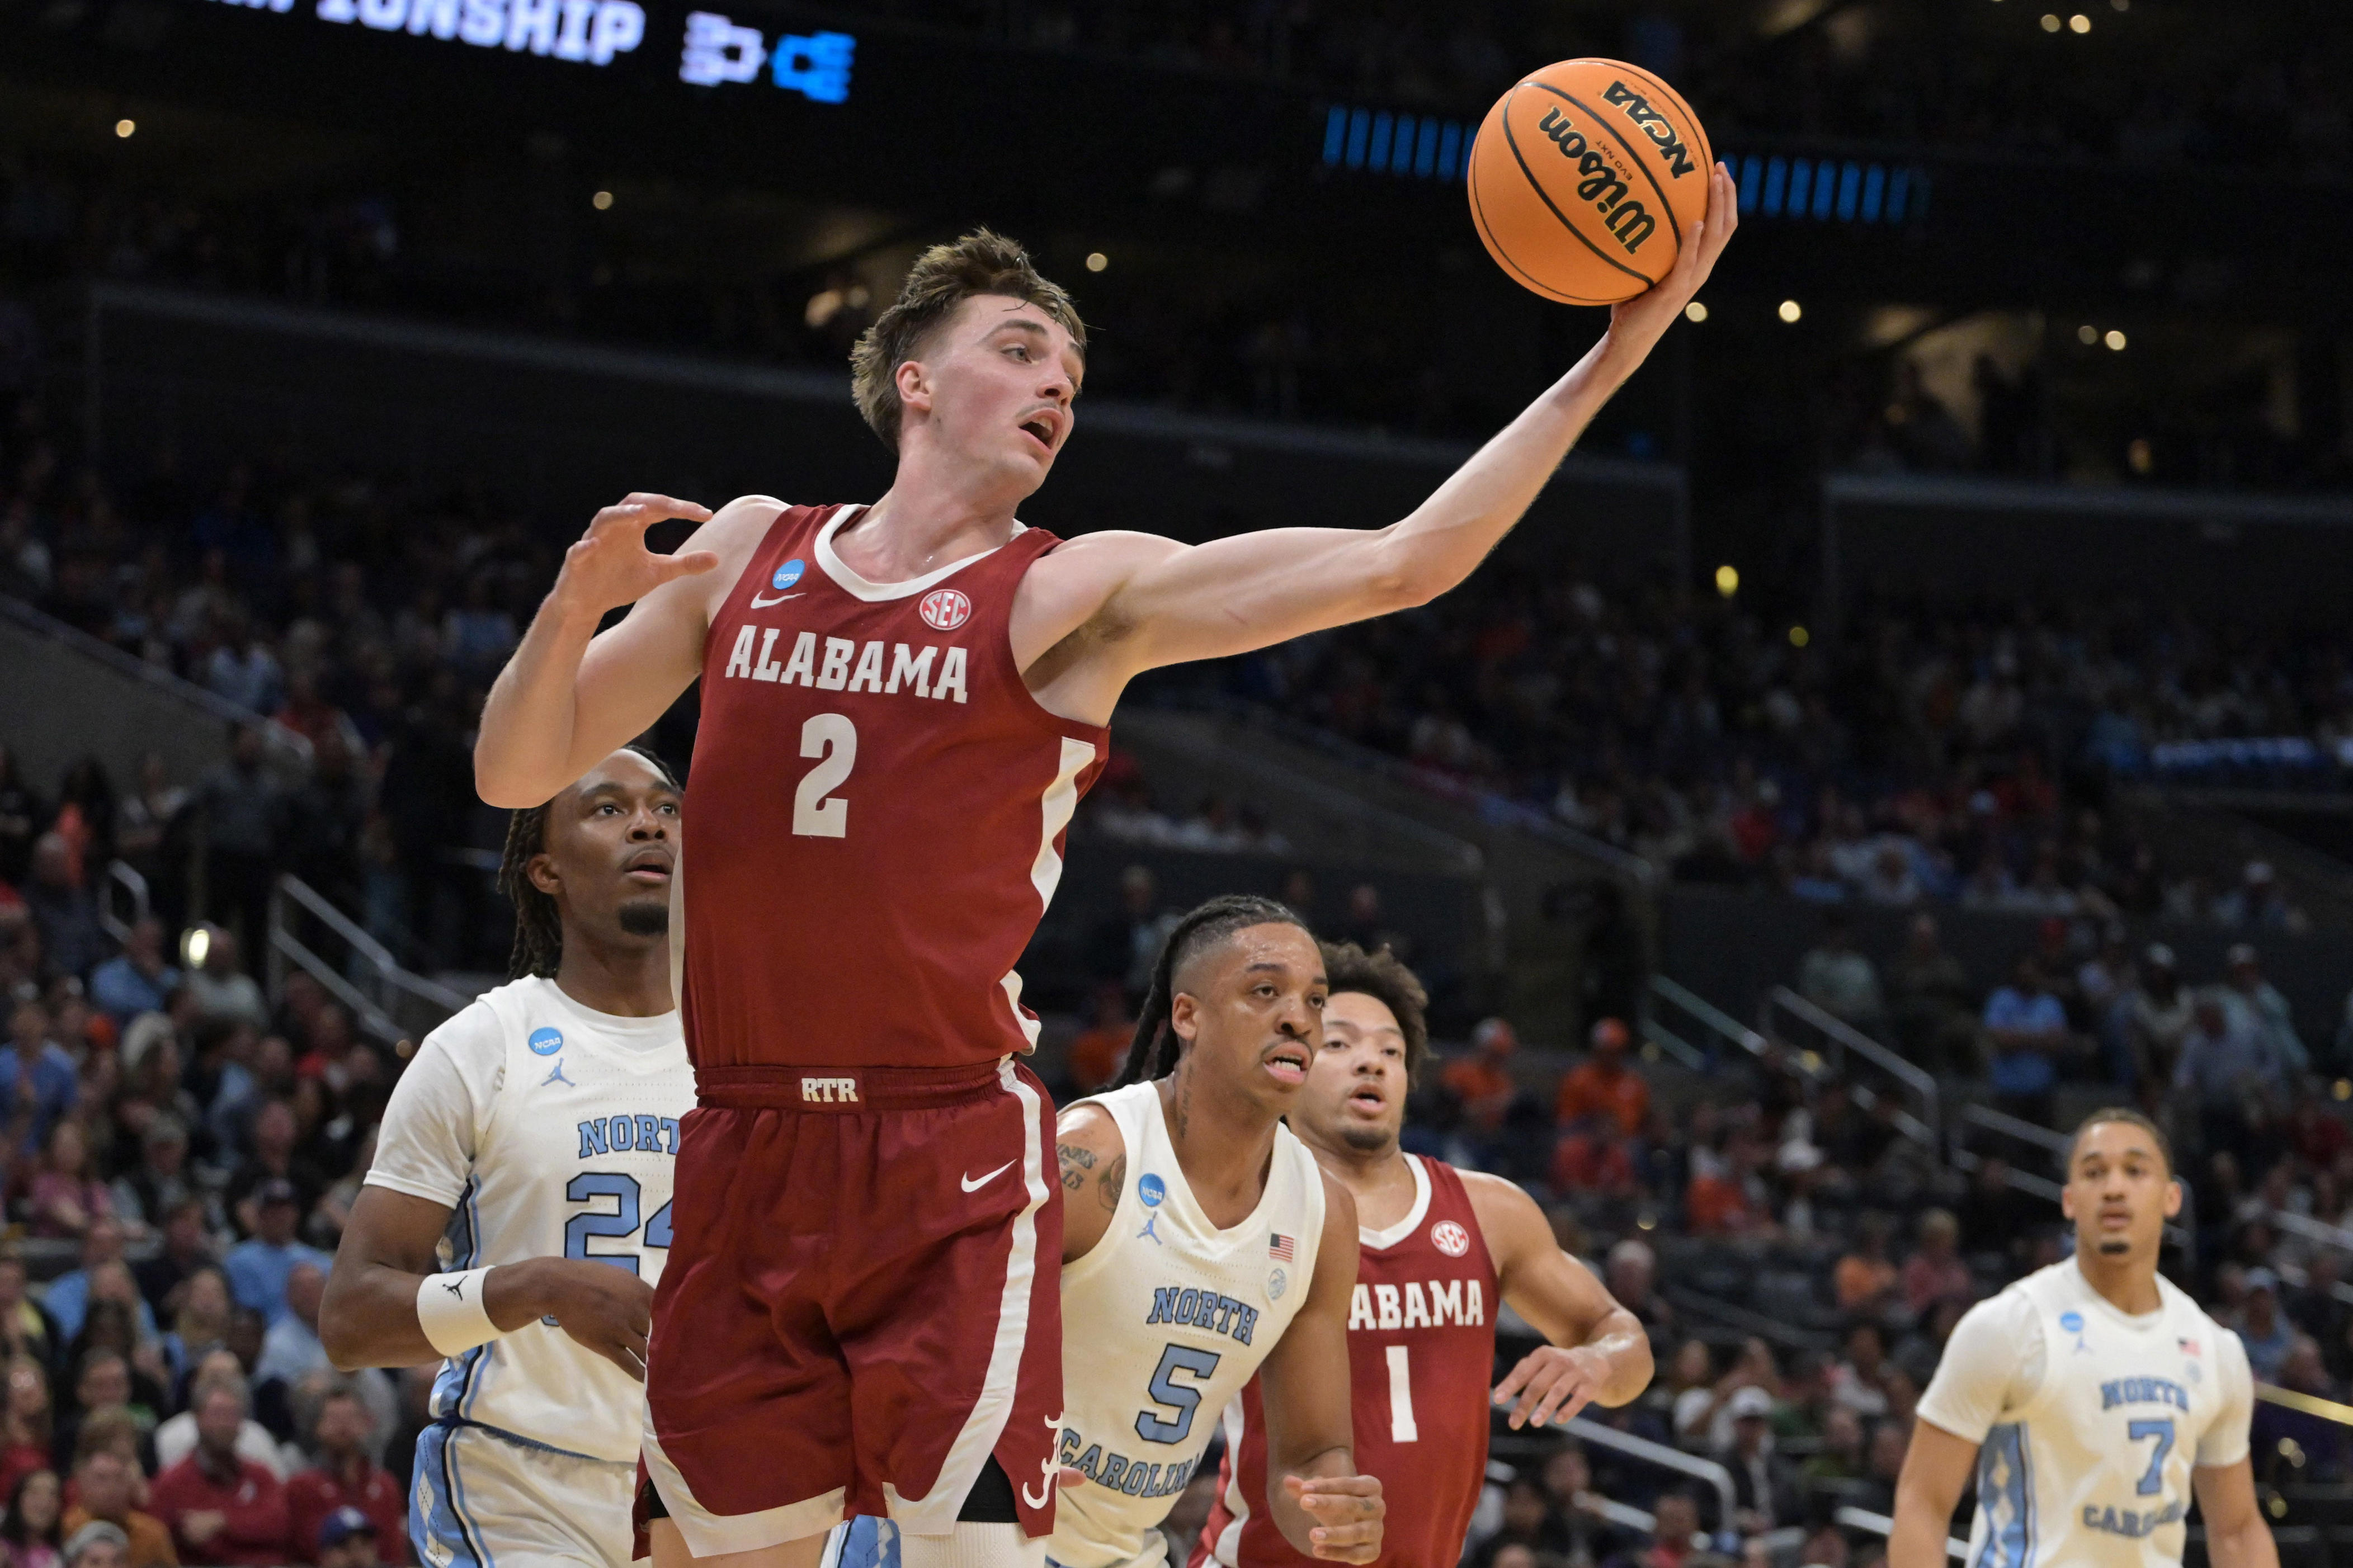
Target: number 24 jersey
[551, 1131]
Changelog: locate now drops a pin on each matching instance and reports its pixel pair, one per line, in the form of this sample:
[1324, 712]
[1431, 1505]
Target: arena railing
[386, 1000]
[1871, 1523]
[1840, 1039]
[1643, 1451]
[123, 876]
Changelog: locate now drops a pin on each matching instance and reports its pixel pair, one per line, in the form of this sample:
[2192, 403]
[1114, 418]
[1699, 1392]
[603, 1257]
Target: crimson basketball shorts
[862, 1303]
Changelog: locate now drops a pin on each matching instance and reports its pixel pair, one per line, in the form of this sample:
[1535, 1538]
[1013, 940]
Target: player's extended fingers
[1567, 1397]
[1310, 1489]
[1516, 1379]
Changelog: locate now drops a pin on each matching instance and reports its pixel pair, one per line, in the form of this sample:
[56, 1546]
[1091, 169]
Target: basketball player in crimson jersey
[1441, 1249]
[902, 705]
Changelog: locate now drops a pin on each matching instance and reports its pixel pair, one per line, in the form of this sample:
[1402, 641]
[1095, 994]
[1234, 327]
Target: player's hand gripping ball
[1585, 178]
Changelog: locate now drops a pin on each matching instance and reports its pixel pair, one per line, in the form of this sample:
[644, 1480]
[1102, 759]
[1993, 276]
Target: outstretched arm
[569, 696]
[1599, 1349]
[1313, 1494]
[1164, 603]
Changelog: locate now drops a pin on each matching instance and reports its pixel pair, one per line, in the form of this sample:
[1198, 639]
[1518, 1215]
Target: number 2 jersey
[1162, 1324]
[879, 808]
[1421, 1354]
[2088, 1421]
[551, 1131]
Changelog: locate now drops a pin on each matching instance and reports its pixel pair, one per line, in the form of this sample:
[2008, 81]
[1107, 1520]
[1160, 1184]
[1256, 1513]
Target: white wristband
[450, 1310]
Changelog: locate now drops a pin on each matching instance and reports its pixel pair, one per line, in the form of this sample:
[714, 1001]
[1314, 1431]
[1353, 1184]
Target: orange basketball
[1585, 178]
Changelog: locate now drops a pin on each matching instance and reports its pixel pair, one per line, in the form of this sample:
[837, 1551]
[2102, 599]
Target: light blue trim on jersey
[2006, 1497]
[455, 1385]
[441, 1533]
[868, 1543]
[520, 1441]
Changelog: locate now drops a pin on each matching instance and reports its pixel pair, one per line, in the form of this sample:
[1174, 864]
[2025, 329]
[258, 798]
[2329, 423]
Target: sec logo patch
[944, 609]
[1449, 1238]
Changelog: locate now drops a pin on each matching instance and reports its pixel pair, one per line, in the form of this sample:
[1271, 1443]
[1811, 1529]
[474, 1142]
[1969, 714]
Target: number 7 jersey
[2089, 1423]
[879, 806]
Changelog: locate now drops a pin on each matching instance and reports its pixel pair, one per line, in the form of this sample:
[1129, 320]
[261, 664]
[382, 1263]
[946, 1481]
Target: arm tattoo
[1115, 1179]
[1075, 1163]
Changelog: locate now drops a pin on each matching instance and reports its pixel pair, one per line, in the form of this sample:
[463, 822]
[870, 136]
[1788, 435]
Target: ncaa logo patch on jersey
[545, 1042]
[1449, 1238]
[944, 609]
[787, 574]
[1151, 1189]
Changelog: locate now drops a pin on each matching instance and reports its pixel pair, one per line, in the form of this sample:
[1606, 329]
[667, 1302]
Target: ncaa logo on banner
[1449, 1238]
[944, 609]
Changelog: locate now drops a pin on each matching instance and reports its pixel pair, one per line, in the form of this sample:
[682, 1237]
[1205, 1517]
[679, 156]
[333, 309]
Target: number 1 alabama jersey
[879, 806]
[1421, 1353]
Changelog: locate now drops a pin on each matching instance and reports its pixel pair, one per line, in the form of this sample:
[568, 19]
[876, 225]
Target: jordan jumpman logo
[556, 1074]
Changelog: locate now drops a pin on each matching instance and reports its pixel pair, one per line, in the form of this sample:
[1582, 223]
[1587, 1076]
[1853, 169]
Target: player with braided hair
[1202, 1244]
[539, 923]
[518, 1212]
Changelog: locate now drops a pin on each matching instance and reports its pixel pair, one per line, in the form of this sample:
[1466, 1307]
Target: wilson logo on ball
[1602, 187]
[1449, 1238]
[944, 609]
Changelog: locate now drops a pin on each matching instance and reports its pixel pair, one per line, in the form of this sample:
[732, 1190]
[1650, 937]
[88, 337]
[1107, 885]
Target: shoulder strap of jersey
[1450, 1200]
[509, 1003]
[789, 529]
[1128, 1111]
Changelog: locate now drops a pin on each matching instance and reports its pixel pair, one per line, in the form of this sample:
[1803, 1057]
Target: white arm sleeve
[431, 1129]
[1992, 1363]
[2224, 1441]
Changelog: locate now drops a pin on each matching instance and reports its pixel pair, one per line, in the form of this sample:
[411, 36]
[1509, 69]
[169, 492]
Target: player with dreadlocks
[1226, 1253]
[1439, 1250]
[518, 1212]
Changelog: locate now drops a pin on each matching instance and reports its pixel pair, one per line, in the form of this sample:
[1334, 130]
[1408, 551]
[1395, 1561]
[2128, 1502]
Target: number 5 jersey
[1162, 1324]
[552, 1131]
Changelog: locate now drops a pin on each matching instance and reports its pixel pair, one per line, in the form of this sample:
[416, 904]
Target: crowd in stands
[1934, 755]
[179, 1153]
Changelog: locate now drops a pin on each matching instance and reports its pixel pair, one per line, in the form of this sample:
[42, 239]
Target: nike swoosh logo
[760, 604]
[972, 1185]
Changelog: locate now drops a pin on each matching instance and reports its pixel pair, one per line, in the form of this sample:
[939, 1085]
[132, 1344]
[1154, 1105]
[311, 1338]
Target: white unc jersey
[2089, 1422]
[552, 1131]
[1162, 1324]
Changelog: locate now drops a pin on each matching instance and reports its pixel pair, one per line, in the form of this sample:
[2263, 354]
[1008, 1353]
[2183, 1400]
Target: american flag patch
[2188, 1347]
[1279, 1245]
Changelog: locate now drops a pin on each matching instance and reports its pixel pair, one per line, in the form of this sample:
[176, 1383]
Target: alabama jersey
[2088, 1422]
[551, 1131]
[881, 807]
[1421, 1354]
[1166, 1320]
